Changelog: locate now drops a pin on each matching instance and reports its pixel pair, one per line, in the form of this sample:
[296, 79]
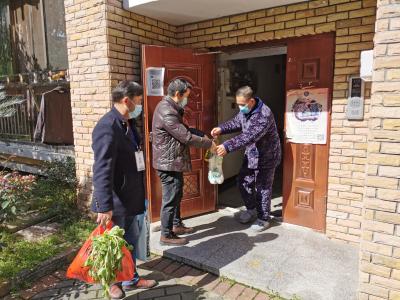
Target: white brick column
[380, 246]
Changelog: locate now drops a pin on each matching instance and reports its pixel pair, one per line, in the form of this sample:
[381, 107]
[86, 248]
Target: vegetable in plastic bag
[215, 174]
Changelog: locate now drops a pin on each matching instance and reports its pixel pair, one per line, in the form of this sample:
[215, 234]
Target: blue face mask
[184, 102]
[136, 113]
[244, 109]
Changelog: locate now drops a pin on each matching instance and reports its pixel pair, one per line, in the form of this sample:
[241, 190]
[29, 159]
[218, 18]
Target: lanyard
[132, 135]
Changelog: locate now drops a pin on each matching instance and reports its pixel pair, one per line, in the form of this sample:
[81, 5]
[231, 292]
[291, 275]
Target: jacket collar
[256, 108]
[174, 104]
[118, 115]
[121, 121]
[259, 105]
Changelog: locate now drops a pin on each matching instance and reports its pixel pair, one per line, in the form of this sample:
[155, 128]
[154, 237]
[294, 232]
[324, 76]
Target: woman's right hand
[216, 132]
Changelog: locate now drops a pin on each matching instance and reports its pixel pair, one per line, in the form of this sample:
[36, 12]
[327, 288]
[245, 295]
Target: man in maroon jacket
[171, 139]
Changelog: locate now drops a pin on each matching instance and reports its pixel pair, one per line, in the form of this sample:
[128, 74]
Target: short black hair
[178, 85]
[245, 92]
[126, 88]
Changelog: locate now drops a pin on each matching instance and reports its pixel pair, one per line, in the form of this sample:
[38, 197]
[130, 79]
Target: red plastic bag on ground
[77, 269]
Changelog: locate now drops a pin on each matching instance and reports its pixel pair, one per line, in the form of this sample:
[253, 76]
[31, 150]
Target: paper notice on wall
[307, 116]
[155, 81]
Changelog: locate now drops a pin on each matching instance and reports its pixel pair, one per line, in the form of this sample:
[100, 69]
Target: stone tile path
[291, 260]
[176, 282]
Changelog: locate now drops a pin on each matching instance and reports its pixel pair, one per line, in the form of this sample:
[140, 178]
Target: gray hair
[178, 85]
[245, 92]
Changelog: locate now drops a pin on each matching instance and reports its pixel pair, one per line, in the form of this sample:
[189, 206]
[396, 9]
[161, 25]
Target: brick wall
[103, 49]
[380, 246]
[353, 22]
[126, 32]
[89, 74]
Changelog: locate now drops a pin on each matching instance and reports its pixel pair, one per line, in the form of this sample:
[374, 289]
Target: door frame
[147, 140]
[283, 43]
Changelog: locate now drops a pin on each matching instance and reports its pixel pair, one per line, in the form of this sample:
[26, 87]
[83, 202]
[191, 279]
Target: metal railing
[19, 126]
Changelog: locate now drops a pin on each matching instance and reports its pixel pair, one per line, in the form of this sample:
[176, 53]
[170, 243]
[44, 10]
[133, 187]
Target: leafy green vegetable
[105, 257]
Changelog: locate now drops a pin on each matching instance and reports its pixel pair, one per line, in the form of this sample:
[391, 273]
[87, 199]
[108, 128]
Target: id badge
[140, 161]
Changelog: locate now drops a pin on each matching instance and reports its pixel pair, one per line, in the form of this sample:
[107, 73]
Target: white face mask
[184, 102]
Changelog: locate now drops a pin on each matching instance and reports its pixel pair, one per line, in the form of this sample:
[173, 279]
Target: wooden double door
[305, 166]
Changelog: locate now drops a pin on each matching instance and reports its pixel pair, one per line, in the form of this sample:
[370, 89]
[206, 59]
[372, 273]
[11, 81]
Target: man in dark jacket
[171, 139]
[118, 194]
[260, 138]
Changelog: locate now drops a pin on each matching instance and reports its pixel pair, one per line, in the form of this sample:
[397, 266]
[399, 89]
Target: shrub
[15, 193]
[61, 172]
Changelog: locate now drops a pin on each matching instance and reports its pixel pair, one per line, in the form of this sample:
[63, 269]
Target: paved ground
[177, 282]
[289, 259]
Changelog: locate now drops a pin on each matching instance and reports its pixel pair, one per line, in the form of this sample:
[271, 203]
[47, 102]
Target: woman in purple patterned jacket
[262, 155]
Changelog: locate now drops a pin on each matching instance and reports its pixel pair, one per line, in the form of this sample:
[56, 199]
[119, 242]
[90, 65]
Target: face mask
[184, 102]
[244, 109]
[136, 112]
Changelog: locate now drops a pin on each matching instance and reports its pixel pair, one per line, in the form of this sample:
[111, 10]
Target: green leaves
[61, 172]
[106, 255]
[15, 193]
[17, 254]
[5, 204]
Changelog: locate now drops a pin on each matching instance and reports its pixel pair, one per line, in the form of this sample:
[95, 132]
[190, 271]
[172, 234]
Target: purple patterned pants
[255, 186]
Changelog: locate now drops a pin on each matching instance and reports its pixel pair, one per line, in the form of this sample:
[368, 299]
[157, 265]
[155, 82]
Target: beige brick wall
[103, 49]
[126, 33]
[104, 45]
[380, 246]
[353, 22]
[90, 80]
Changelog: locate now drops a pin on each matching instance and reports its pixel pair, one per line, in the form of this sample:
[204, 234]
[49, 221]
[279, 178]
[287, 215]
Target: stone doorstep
[42, 270]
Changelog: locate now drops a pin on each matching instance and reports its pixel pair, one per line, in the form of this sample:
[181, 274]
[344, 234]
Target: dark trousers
[255, 187]
[127, 223]
[172, 192]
